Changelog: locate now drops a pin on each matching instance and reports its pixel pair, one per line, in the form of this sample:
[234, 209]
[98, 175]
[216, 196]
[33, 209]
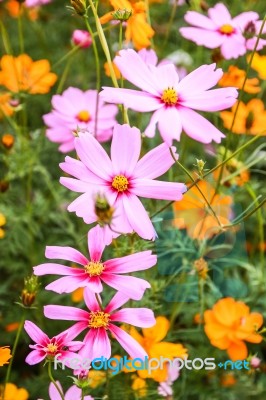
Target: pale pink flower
[36, 3]
[75, 109]
[165, 387]
[73, 393]
[101, 320]
[81, 38]
[172, 100]
[123, 178]
[94, 271]
[61, 345]
[232, 35]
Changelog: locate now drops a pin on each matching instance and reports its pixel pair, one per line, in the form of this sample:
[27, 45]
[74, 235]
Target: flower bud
[103, 210]
[201, 267]
[122, 15]
[29, 292]
[7, 140]
[81, 38]
[79, 6]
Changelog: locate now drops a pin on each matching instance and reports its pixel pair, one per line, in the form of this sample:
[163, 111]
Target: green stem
[8, 372]
[210, 171]
[170, 23]
[98, 73]
[20, 30]
[64, 76]
[247, 216]
[197, 186]
[53, 380]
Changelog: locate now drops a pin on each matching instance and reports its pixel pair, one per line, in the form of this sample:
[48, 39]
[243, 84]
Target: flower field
[132, 200]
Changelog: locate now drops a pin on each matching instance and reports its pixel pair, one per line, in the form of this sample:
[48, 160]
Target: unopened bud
[30, 290]
[79, 6]
[201, 267]
[7, 140]
[103, 210]
[122, 15]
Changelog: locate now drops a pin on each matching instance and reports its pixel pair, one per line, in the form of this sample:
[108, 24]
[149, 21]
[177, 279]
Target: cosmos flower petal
[90, 300]
[210, 39]
[244, 18]
[67, 284]
[153, 189]
[199, 20]
[131, 263]
[170, 126]
[83, 206]
[77, 169]
[129, 285]
[199, 80]
[233, 48]
[134, 69]
[53, 392]
[138, 217]
[131, 346]
[151, 128]
[55, 269]
[65, 313]
[133, 99]
[219, 14]
[155, 163]
[35, 333]
[34, 357]
[125, 149]
[141, 317]
[212, 100]
[65, 253]
[116, 302]
[198, 127]
[92, 154]
[96, 243]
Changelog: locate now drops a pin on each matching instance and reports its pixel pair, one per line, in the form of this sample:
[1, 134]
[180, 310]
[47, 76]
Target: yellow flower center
[226, 29]
[99, 319]
[169, 96]
[94, 268]
[84, 116]
[52, 348]
[120, 183]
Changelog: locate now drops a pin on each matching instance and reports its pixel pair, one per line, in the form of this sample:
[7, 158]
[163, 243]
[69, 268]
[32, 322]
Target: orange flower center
[227, 29]
[120, 183]
[52, 348]
[94, 268]
[169, 96]
[99, 319]
[84, 116]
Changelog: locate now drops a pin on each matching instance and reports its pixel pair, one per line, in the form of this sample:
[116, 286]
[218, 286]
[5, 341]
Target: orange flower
[116, 70]
[259, 64]
[235, 77]
[137, 28]
[14, 9]
[77, 295]
[193, 213]
[5, 107]
[2, 222]
[228, 380]
[229, 324]
[13, 326]
[7, 140]
[139, 385]
[251, 118]
[23, 74]
[5, 355]
[151, 341]
[13, 393]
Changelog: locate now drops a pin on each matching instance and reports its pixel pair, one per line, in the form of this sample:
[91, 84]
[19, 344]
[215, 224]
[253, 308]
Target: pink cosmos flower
[94, 271]
[101, 320]
[73, 393]
[81, 38]
[123, 178]
[61, 345]
[172, 100]
[74, 110]
[165, 388]
[233, 35]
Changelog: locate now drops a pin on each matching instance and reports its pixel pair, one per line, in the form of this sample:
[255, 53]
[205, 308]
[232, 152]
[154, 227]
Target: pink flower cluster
[234, 36]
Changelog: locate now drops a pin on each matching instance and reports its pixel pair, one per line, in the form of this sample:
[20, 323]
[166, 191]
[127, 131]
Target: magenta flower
[172, 100]
[94, 271]
[100, 321]
[61, 345]
[36, 3]
[73, 393]
[81, 38]
[74, 110]
[232, 35]
[122, 178]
